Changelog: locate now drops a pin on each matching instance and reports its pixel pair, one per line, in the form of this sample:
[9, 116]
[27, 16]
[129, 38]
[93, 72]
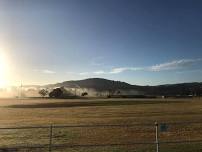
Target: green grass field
[34, 112]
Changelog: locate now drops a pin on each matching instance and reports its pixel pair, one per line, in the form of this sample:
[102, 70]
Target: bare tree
[43, 92]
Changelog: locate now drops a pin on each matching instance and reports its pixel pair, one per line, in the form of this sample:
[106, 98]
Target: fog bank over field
[14, 92]
[97, 87]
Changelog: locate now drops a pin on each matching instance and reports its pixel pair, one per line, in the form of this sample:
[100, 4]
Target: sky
[141, 42]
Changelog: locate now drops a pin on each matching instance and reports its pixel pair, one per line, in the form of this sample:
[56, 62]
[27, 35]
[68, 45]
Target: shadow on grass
[91, 103]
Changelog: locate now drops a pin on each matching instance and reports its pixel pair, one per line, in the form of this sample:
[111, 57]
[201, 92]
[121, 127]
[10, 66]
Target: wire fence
[156, 137]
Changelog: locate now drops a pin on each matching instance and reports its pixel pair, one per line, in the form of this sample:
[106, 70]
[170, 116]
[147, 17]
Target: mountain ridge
[100, 84]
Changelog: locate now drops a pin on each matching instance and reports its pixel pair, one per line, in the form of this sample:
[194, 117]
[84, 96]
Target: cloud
[84, 73]
[167, 66]
[99, 72]
[71, 73]
[189, 71]
[48, 72]
[120, 70]
[117, 70]
[174, 65]
[45, 71]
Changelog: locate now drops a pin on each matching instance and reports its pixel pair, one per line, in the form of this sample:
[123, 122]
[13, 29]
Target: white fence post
[50, 138]
[157, 137]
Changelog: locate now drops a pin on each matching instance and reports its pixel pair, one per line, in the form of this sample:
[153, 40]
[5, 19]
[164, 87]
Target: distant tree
[198, 91]
[111, 92]
[84, 94]
[56, 93]
[43, 92]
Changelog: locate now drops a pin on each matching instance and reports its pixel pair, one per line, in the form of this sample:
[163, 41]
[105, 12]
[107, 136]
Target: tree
[43, 92]
[56, 93]
[84, 94]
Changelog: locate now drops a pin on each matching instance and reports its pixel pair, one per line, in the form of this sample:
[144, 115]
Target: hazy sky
[144, 42]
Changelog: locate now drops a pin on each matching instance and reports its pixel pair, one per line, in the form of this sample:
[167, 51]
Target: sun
[3, 70]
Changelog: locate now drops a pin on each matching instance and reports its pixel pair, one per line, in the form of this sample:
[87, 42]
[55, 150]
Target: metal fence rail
[157, 128]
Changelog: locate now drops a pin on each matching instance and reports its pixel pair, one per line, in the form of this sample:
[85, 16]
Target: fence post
[50, 138]
[157, 136]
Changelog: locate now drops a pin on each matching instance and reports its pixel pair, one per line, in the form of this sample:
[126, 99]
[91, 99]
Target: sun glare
[3, 70]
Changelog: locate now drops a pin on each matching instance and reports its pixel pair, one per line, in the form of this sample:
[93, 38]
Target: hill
[95, 83]
[100, 84]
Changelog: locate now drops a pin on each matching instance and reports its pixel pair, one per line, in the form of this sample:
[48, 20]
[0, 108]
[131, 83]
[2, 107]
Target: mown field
[143, 112]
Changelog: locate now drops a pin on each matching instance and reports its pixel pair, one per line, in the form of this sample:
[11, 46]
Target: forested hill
[100, 84]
